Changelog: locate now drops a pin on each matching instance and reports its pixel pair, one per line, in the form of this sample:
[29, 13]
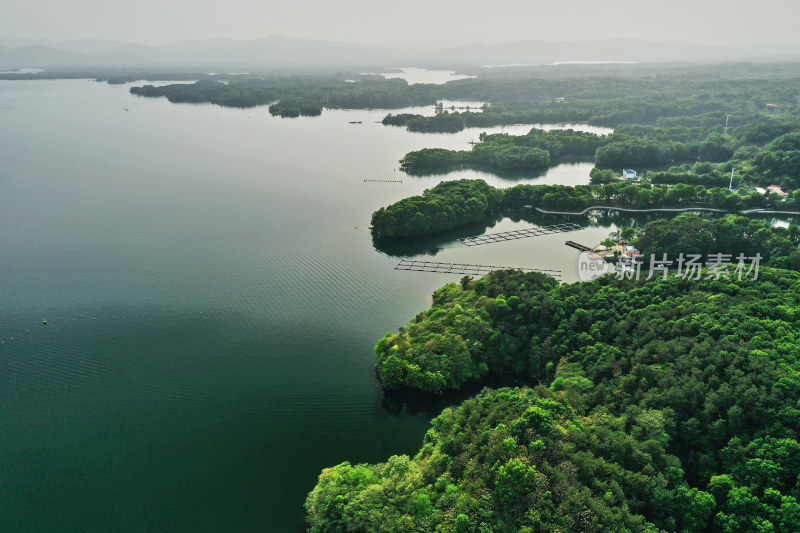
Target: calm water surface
[423, 75]
[212, 297]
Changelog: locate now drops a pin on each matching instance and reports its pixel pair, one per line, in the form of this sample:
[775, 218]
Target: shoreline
[668, 210]
[650, 210]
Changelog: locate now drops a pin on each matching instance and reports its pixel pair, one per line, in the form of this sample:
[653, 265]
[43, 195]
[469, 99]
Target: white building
[629, 175]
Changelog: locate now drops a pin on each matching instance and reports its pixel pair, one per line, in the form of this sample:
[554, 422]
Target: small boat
[44, 322]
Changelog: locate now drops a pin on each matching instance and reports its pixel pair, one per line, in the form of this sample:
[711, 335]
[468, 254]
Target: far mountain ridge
[278, 51]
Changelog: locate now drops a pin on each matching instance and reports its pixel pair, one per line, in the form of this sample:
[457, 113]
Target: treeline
[776, 163]
[292, 96]
[669, 405]
[696, 99]
[558, 143]
[419, 215]
[400, 119]
[663, 128]
[448, 205]
[435, 158]
[671, 177]
[658, 109]
[626, 151]
[536, 150]
[648, 99]
[504, 155]
[495, 115]
[632, 196]
[444, 122]
[779, 162]
[209, 91]
[468, 335]
[616, 151]
[640, 147]
[731, 235]
[644, 146]
[509, 460]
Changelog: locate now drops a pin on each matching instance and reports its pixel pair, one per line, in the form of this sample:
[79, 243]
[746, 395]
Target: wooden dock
[535, 231]
[464, 268]
[578, 246]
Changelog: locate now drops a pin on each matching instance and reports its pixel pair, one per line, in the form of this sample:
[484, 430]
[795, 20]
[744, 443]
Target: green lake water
[212, 296]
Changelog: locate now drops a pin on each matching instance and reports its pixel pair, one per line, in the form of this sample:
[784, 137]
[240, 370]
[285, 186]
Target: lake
[212, 296]
[423, 75]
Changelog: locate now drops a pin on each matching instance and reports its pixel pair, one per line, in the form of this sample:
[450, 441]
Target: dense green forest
[459, 202]
[732, 235]
[442, 122]
[291, 96]
[749, 125]
[448, 205]
[668, 405]
[630, 96]
[537, 150]
[695, 155]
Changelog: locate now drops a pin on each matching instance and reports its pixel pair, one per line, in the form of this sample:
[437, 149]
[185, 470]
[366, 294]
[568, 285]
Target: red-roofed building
[777, 190]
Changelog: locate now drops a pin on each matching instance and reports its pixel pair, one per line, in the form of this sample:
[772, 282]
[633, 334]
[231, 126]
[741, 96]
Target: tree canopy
[668, 405]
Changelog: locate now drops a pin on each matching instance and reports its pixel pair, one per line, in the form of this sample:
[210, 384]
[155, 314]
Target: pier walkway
[464, 268]
[534, 231]
[578, 246]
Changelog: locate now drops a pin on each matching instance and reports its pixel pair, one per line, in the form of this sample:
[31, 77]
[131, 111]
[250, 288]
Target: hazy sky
[164, 21]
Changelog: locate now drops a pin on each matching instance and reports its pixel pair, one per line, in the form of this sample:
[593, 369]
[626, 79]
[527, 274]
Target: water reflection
[414, 402]
[423, 75]
[431, 245]
[565, 165]
[510, 175]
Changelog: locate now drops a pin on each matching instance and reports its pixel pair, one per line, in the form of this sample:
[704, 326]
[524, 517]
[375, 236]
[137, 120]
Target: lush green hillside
[667, 405]
[732, 235]
[507, 460]
[514, 322]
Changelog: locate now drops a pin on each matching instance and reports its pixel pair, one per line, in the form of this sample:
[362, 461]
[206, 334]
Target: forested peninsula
[537, 150]
[668, 405]
[455, 203]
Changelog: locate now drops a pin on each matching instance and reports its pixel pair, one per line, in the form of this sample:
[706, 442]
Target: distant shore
[667, 210]
[651, 210]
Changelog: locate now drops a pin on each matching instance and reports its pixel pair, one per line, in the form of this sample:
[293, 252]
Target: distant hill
[627, 50]
[286, 52]
[39, 56]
